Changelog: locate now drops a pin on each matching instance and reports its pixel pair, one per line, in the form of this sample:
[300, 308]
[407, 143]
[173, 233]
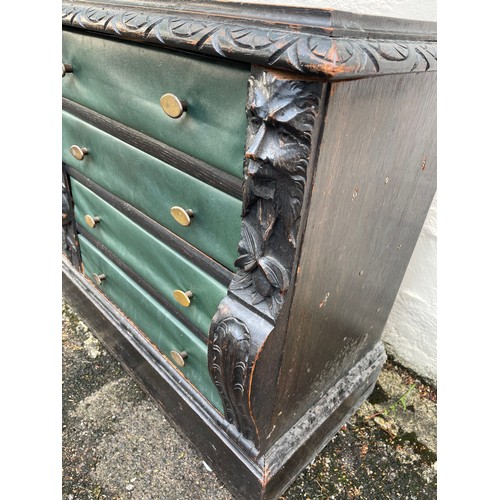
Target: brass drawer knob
[66, 68]
[179, 357]
[92, 220]
[78, 152]
[183, 217]
[183, 298]
[98, 278]
[172, 105]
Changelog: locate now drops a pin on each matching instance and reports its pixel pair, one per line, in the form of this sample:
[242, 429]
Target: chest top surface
[323, 43]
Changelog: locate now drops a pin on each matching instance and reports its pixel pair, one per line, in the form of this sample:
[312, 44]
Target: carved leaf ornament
[230, 357]
[265, 275]
[301, 52]
[281, 117]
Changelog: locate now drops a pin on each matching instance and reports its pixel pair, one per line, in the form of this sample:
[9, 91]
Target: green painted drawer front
[153, 187]
[125, 81]
[164, 331]
[155, 262]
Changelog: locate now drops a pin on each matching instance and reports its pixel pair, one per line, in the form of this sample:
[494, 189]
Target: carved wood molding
[307, 53]
[230, 353]
[364, 371]
[281, 118]
[69, 242]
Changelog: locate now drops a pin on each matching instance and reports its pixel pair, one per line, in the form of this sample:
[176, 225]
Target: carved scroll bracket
[281, 119]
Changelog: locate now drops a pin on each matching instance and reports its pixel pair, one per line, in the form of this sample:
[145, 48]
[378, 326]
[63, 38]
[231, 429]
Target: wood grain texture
[317, 426]
[299, 51]
[375, 180]
[339, 173]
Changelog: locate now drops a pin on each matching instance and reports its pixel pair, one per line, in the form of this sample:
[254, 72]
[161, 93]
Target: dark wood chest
[243, 187]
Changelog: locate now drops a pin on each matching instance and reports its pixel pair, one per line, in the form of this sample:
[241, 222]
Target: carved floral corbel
[281, 115]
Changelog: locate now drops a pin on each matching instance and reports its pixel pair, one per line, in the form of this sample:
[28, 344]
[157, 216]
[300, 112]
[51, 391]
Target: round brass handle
[172, 105]
[183, 217]
[98, 278]
[183, 298]
[179, 357]
[66, 68]
[92, 220]
[78, 152]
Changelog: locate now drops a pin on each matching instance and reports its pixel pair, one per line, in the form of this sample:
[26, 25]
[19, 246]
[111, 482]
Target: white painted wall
[410, 335]
[411, 331]
[423, 10]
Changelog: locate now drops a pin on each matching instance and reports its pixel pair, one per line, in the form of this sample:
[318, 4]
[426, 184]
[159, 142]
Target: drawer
[152, 260]
[125, 82]
[162, 329]
[154, 187]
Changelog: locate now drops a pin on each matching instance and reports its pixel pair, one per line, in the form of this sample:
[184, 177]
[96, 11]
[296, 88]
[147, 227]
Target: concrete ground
[118, 445]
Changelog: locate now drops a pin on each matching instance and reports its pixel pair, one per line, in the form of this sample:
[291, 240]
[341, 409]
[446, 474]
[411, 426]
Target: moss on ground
[117, 444]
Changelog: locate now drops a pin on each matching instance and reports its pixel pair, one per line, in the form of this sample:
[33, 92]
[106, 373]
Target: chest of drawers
[243, 187]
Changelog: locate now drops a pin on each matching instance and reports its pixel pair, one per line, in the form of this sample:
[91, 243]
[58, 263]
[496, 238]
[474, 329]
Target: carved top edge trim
[305, 53]
[320, 20]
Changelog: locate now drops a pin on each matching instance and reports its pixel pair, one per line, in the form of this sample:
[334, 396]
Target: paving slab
[118, 445]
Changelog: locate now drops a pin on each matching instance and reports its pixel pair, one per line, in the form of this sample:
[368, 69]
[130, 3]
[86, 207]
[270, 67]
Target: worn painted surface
[370, 200]
[411, 331]
[314, 54]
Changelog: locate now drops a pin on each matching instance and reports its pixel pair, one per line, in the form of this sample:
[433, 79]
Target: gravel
[118, 445]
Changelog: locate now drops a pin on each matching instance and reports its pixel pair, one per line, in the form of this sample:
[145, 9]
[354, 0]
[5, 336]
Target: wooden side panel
[375, 180]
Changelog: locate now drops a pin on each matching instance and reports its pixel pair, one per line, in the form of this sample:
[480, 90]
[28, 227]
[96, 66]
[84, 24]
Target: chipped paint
[324, 301]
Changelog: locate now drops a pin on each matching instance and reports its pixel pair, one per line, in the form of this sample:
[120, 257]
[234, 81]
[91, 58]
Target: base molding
[235, 461]
[304, 440]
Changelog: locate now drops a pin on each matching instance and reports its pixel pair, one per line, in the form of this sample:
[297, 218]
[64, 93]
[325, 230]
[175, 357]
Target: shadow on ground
[117, 444]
